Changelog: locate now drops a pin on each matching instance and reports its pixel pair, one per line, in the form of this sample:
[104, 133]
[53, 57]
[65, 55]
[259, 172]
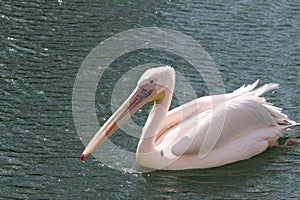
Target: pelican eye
[151, 81]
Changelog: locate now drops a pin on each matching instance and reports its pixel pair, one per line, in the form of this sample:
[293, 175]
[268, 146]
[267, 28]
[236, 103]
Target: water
[42, 47]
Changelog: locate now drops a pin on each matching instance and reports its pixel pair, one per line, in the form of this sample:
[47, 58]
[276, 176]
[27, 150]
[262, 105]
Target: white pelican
[173, 140]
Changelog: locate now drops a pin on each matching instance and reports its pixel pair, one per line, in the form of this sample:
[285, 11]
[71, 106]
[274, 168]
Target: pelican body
[207, 132]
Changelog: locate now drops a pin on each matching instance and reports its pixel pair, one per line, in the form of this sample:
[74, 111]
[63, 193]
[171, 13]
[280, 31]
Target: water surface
[43, 44]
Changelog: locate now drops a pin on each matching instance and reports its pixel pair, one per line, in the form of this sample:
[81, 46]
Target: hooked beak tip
[82, 157]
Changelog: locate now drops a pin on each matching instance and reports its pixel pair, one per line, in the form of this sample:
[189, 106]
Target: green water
[43, 44]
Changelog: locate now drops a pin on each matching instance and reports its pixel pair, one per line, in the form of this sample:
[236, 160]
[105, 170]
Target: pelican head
[152, 86]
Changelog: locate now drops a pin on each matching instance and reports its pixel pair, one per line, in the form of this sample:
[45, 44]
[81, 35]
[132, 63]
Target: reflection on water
[43, 45]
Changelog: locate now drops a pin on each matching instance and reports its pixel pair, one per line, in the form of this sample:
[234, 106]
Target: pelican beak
[138, 98]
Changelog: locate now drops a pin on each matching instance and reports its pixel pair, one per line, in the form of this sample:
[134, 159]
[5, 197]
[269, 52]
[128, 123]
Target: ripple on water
[44, 44]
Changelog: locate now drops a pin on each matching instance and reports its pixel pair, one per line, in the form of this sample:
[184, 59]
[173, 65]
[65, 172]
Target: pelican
[186, 137]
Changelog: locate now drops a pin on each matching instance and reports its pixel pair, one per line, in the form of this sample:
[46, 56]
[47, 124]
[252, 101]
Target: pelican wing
[240, 113]
[184, 112]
